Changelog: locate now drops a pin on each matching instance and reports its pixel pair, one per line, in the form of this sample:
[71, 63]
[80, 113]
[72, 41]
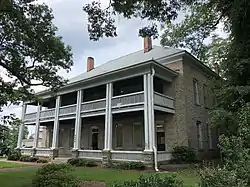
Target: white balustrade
[128, 99]
[47, 113]
[30, 116]
[69, 109]
[163, 100]
[93, 105]
[43, 152]
[91, 154]
[26, 151]
[163, 156]
[135, 156]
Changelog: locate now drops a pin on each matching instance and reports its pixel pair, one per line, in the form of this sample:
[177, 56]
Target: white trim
[56, 124]
[94, 101]
[127, 110]
[168, 110]
[163, 95]
[145, 107]
[36, 138]
[90, 151]
[128, 105]
[127, 152]
[93, 110]
[130, 94]
[90, 115]
[67, 106]
[21, 128]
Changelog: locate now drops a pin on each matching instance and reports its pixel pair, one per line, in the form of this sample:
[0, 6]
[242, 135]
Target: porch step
[60, 160]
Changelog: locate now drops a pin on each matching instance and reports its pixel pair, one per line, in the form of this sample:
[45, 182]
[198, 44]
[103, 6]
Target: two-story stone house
[133, 108]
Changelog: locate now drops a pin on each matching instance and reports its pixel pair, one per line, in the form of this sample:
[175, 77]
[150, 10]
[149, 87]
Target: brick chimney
[90, 63]
[147, 44]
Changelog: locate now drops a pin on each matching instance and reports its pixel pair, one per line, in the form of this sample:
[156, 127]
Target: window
[199, 135]
[196, 92]
[137, 135]
[205, 95]
[71, 137]
[119, 135]
[209, 137]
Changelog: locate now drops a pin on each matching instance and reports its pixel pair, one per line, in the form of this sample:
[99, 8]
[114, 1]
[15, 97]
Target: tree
[102, 23]
[200, 24]
[30, 52]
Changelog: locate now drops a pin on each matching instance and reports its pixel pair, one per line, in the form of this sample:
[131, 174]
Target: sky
[71, 21]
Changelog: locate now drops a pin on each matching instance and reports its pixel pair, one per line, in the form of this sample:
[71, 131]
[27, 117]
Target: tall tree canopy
[31, 54]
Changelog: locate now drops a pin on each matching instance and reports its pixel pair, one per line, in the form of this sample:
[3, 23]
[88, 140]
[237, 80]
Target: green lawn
[23, 178]
[4, 164]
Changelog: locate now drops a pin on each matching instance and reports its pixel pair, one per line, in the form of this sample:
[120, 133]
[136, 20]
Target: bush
[55, 175]
[183, 155]
[15, 156]
[214, 177]
[80, 162]
[91, 164]
[25, 158]
[130, 166]
[154, 180]
[42, 161]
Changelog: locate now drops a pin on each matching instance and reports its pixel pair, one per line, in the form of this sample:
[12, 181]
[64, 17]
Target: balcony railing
[26, 151]
[163, 100]
[93, 105]
[91, 154]
[128, 99]
[69, 109]
[127, 156]
[47, 113]
[30, 116]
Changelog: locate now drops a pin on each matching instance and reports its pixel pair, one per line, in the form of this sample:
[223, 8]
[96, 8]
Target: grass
[4, 164]
[23, 178]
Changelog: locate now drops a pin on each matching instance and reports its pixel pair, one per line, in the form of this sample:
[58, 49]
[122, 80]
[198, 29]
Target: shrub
[14, 156]
[55, 175]
[183, 155]
[130, 166]
[154, 180]
[91, 164]
[77, 162]
[25, 158]
[42, 161]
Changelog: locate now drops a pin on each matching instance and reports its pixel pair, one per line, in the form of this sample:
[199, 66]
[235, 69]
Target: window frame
[199, 135]
[116, 137]
[141, 134]
[209, 137]
[196, 92]
[205, 95]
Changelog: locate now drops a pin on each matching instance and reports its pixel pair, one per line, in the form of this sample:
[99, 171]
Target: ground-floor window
[160, 133]
[199, 135]
[119, 135]
[138, 134]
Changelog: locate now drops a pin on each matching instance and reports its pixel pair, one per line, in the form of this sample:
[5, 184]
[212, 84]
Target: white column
[78, 122]
[146, 124]
[36, 138]
[151, 112]
[20, 134]
[56, 124]
[108, 118]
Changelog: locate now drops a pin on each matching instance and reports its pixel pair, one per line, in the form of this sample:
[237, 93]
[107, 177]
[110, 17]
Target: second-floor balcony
[121, 101]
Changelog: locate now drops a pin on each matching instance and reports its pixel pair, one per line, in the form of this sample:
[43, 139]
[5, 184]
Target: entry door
[161, 141]
[95, 141]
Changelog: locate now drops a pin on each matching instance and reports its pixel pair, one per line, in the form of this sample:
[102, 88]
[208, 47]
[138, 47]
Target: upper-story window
[128, 86]
[205, 95]
[158, 85]
[95, 93]
[196, 91]
[199, 135]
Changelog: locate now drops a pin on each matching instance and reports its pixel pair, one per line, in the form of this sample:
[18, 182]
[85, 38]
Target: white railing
[26, 151]
[93, 105]
[134, 156]
[69, 109]
[91, 154]
[43, 152]
[47, 113]
[163, 156]
[30, 116]
[163, 100]
[128, 99]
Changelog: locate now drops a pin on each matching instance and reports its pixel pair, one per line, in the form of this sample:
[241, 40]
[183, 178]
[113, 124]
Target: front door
[95, 141]
[161, 141]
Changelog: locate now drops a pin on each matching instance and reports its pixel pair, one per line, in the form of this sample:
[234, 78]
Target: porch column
[56, 124]
[146, 121]
[20, 134]
[151, 111]
[78, 122]
[36, 138]
[108, 117]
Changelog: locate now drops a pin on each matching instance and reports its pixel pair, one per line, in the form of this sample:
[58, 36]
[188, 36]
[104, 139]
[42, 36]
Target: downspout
[154, 148]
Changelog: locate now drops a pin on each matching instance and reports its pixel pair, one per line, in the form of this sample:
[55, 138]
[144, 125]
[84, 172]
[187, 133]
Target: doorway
[95, 138]
[160, 137]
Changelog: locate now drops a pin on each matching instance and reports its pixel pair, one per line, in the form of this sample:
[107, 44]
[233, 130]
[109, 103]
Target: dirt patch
[93, 184]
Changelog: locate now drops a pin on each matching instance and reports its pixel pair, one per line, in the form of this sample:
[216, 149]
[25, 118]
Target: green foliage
[44, 161]
[31, 53]
[55, 175]
[25, 158]
[153, 180]
[130, 166]
[221, 177]
[15, 156]
[81, 162]
[183, 155]
[101, 22]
